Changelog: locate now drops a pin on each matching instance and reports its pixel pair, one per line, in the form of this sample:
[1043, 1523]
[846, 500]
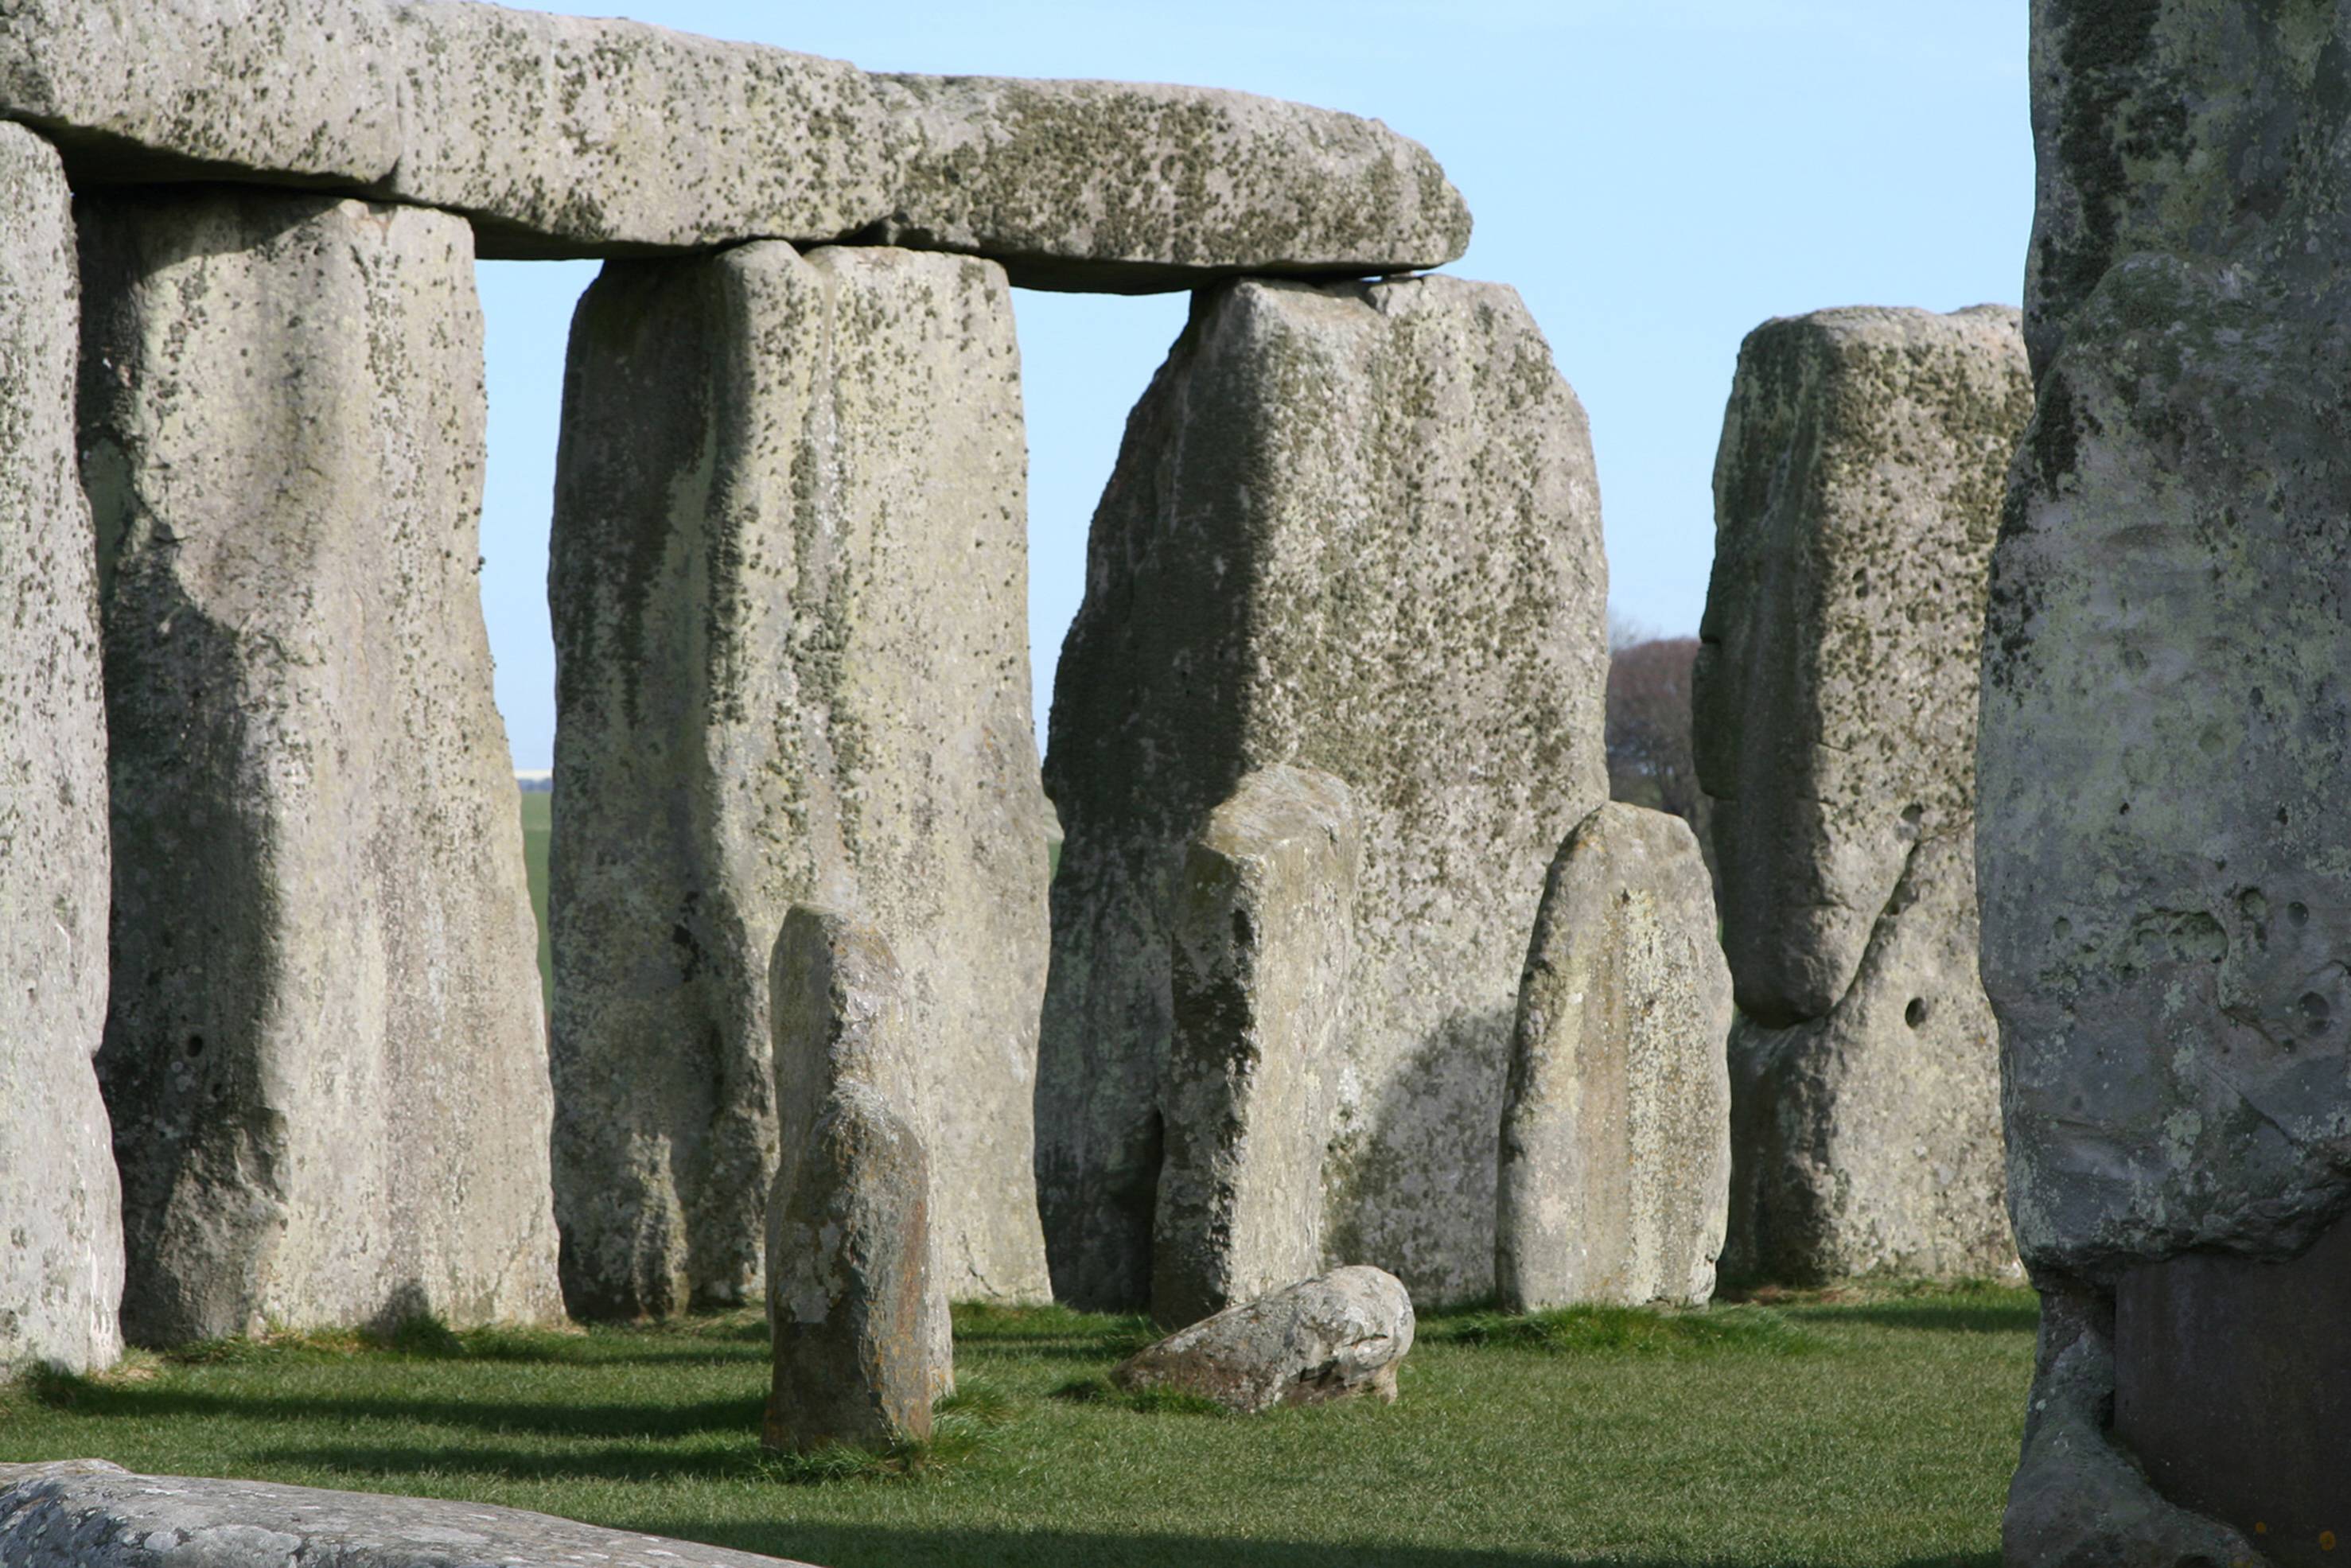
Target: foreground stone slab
[61, 1250]
[1366, 520]
[1340, 1336]
[1856, 495]
[789, 581]
[856, 1304]
[324, 1055]
[96, 1515]
[1616, 1158]
[1264, 943]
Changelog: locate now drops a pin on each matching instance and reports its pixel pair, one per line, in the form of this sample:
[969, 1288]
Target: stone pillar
[324, 1052]
[1616, 1149]
[789, 593]
[1263, 944]
[2166, 752]
[1856, 495]
[61, 1249]
[1365, 523]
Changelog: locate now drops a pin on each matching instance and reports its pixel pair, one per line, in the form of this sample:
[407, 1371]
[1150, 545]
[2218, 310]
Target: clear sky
[1654, 176]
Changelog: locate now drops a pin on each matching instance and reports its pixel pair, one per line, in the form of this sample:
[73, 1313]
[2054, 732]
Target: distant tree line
[1650, 760]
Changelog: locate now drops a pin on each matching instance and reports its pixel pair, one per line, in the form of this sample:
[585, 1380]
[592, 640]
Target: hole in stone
[1916, 1013]
[1913, 815]
[2064, 928]
[2125, 809]
[2298, 912]
[195, 1045]
[2316, 1010]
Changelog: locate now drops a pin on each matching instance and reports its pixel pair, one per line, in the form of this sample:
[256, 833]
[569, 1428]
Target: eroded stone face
[324, 1054]
[1366, 521]
[1616, 1149]
[1340, 1336]
[61, 1252]
[789, 580]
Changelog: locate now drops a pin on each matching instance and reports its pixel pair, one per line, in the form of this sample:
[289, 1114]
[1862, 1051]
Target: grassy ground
[537, 824]
[1864, 1428]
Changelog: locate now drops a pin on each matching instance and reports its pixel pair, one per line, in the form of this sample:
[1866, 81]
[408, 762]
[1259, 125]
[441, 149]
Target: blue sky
[1654, 176]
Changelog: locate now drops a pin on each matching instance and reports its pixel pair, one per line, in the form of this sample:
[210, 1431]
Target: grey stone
[1365, 519]
[566, 136]
[1615, 1147]
[140, 89]
[325, 1055]
[86, 1513]
[61, 1255]
[1132, 188]
[1263, 937]
[789, 583]
[856, 1303]
[1340, 1336]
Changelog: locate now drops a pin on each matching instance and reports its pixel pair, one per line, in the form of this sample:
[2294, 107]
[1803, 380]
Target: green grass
[1857, 1427]
[537, 823]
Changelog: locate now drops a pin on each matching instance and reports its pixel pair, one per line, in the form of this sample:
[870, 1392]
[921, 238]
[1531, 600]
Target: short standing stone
[1616, 1158]
[854, 1302]
[1856, 493]
[1263, 944]
[1366, 522]
[61, 1236]
[325, 1055]
[1336, 1337]
[789, 581]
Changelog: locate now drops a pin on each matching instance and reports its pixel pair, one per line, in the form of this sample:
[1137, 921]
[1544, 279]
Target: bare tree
[1650, 760]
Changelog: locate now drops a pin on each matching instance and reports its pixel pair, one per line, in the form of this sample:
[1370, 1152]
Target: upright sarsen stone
[324, 1051]
[1856, 493]
[61, 1238]
[1356, 528]
[789, 583]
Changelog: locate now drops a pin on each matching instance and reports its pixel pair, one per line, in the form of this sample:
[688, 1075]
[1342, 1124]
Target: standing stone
[324, 1052]
[856, 1304]
[60, 1206]
[2167, 738]
[788, 581]
[1264, 935]
[1366, 522]
[1615, 1156]
[1856, 495]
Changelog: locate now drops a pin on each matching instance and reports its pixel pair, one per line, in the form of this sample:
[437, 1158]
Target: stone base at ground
[1338, 1337]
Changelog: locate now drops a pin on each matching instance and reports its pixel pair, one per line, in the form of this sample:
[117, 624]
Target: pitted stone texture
[88, 1513]
[1132, 188]
[1365, 520]
[62, 1247]
[1337, 1337]
[789, 584]
[1856, 493]
[855, 1299]
[137, 90]
[1263, 943]
[1616, 1157]
[325, 1055]
[1869, 1141]
[565, 136]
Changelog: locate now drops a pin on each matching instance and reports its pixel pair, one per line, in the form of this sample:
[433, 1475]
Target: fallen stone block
[1338, 1337]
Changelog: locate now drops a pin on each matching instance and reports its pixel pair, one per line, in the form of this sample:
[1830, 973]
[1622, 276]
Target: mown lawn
[1858, 1428]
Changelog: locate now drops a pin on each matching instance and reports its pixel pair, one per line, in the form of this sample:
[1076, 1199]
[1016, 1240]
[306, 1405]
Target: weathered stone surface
[138, 89]
[566, 136]
[856, 1301]
[1365, 520]
[1616, 1151]
[86, 1513]
[61, 1252]
[1129, 187]
[325, 1056]
[1335, 1337]
[1263, 935]
[789, 582]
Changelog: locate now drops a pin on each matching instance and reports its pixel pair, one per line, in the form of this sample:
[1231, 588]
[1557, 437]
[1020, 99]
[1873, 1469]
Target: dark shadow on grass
[384, 1467]
[1935, 1317]
[110, 1401]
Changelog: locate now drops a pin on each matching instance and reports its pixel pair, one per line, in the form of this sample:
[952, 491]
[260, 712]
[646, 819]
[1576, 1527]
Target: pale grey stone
[135, 89]
[567, 136]
[1132, 187]
[789, 583]
[86, 1513]
[1339, 1336]
[325, 1054]
[1263, 943]
[1616, 1149]
[61, 1247]
[1366, 523]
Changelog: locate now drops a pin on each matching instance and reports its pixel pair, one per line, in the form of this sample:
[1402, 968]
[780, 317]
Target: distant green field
[537, 822]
